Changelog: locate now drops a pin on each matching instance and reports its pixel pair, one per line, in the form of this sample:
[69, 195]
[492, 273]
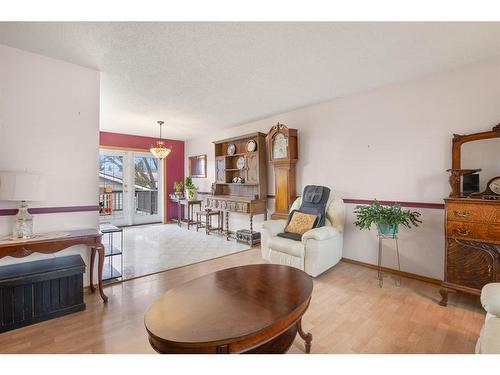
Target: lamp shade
[21, 186]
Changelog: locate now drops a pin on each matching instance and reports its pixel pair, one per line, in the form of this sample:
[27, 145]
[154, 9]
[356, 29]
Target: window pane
[146, 185]
[111, 185]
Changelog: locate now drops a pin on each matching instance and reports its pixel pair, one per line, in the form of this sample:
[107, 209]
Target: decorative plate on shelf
[251, 146]
[240, 163]
[231, 149]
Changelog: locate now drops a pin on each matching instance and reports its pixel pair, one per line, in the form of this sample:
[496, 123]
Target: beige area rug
[159, 247]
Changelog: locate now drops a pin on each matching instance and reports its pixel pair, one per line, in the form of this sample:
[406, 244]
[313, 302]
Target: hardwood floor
[349, 313]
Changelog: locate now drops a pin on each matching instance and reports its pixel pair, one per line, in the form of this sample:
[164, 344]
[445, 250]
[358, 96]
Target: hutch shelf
[241, 178]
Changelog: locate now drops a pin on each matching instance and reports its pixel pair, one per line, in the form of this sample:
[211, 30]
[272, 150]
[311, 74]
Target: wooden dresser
[472, 253]
[472, 227]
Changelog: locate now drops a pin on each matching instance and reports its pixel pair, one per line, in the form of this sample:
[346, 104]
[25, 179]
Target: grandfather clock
[282, 146]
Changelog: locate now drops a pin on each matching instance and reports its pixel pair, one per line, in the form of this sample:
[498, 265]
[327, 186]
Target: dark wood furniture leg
[307, 337]
[100, 250]
[179, 213]
[208, 221]
[251, 230]
[227, 226]
[444, 296]
[92, 262]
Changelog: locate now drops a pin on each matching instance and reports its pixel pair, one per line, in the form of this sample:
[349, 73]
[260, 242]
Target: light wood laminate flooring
[349, 313]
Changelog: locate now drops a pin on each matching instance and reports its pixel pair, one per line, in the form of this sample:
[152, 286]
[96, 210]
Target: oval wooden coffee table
[248, 309]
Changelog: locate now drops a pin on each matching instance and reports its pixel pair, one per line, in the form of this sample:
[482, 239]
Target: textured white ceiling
[198, 77]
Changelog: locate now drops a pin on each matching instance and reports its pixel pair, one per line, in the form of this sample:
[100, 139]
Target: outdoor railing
[146, 202]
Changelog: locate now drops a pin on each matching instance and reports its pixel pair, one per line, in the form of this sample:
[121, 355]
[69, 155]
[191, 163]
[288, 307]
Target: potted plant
[386, 218]
[178, 189]
[191, 189]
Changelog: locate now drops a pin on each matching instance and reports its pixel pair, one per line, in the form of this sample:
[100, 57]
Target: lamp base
[23, 228]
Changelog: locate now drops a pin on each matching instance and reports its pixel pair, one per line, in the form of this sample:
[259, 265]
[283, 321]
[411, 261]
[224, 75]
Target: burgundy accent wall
[175, 161]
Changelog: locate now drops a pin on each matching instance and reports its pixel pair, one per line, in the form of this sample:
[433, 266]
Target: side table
[190, 210]
[111, 251]
[204, 219]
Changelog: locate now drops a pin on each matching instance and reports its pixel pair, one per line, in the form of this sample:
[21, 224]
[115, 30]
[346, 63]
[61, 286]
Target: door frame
[164, 167]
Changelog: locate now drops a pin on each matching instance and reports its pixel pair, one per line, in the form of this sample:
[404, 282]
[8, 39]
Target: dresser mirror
[474, 154]
[485, 154]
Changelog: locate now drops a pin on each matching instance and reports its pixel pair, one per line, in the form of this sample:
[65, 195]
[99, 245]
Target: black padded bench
[35, 291]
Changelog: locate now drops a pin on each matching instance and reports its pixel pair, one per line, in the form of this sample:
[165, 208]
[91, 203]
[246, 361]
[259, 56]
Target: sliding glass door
[130, 187]
[147, 182]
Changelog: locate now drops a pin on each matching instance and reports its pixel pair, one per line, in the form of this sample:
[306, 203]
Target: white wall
[392, 143]
[49, 123]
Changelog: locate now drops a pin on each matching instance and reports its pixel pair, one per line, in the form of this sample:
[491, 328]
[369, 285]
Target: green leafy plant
[189, 183]
[385, 215]
[178, 186]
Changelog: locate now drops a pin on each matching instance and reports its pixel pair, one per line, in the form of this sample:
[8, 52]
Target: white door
[130, 187]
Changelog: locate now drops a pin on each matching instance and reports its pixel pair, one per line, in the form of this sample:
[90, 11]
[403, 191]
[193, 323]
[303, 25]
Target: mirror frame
[198, 159]
[456, 156]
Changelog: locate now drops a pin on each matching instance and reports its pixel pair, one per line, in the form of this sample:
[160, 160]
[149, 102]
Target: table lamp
[22, 187]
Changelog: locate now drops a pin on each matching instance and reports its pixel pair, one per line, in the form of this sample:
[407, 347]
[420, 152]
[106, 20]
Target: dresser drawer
[458, 229]
[480, 213]
[494, 232]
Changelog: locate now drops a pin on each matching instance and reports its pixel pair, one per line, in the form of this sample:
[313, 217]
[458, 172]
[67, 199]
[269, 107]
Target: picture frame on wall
[198, 166]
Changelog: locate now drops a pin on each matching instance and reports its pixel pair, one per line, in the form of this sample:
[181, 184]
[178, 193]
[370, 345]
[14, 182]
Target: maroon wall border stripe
[50, 210]
[436, 206]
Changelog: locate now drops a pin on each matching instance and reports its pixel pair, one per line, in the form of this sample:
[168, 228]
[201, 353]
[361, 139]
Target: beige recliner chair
[320, 248]
[489, 339]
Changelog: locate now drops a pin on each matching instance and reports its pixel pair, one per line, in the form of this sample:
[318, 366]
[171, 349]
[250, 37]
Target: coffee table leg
[307, 337]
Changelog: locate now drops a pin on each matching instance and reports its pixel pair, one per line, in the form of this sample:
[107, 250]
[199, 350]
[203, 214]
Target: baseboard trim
[395, 272]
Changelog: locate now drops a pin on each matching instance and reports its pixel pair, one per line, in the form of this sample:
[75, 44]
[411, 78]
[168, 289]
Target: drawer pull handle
[489, 270]
[462, 232]
[461, 213]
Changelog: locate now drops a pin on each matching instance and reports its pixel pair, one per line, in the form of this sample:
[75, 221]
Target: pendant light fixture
[159, 150]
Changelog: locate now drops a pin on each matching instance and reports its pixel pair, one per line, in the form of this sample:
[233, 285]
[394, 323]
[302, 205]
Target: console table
[242, 205]
[48, 243]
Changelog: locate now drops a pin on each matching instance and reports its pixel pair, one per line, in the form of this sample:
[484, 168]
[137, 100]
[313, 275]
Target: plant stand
[382, 237]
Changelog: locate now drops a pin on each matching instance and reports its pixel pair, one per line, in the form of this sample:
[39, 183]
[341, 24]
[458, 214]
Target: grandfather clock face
[280, 146]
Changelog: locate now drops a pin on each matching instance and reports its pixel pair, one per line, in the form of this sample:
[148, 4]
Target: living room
[250, 187]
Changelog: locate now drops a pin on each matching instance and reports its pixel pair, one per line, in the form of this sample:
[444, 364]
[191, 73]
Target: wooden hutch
[472, 228]
[240, 177]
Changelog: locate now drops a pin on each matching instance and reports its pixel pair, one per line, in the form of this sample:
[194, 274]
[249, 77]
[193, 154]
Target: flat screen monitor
[470, 184]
